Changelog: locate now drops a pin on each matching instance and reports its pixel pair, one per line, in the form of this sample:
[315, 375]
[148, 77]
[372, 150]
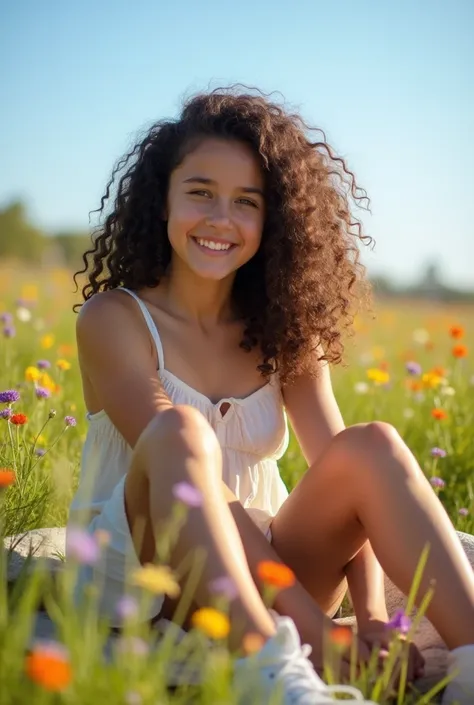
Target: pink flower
[82, 547]
[186, 493]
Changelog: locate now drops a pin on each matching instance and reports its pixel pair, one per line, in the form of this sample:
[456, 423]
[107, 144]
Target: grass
[45, 453]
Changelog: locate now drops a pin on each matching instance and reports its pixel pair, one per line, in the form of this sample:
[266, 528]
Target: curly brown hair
[298, 292]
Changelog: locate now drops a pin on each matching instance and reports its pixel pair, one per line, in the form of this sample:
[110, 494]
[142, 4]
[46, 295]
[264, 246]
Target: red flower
[18, 419]
[7, 477]
[459, 351]
[456, 332]
[439, 414]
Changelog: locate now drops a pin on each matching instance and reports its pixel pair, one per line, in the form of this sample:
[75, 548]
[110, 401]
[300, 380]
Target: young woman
[220, 283]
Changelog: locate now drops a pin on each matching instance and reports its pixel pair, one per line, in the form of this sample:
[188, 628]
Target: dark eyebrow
[210, 182]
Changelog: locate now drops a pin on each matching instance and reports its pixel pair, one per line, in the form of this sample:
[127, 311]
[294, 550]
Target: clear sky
[390, 82]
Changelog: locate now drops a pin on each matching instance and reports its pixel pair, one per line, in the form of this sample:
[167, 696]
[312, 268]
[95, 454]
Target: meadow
[409, 363]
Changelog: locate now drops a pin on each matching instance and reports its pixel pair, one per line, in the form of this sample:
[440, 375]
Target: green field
[45, 453]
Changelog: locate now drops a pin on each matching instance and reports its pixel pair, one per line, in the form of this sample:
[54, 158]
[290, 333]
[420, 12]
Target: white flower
[408, 413]
[23, 314]
[448, 391]
[421, 336]
[361, 388]
[366, 359]
[419, 397]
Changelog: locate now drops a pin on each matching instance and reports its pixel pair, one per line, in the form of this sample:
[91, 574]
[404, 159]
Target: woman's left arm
[316, 419]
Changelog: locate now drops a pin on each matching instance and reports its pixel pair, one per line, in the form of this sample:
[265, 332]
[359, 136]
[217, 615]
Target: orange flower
[459, 351]
[341, 636]
[7, 477]
[252, 642]
[438, 371]
[48, 666]
[415, 385]
[384, 365]
[276, 574]
[439, 414]
[456, 332]
[18, 419]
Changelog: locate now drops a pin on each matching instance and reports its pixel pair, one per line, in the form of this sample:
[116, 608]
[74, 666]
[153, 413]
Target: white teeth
[213, 245]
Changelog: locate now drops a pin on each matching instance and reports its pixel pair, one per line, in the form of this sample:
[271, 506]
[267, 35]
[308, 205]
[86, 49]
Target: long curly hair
[299, 293]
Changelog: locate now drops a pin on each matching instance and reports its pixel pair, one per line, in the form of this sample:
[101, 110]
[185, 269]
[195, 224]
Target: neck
[197, 300]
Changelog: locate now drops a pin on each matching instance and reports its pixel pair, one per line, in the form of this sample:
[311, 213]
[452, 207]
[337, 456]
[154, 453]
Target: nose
[219, 217]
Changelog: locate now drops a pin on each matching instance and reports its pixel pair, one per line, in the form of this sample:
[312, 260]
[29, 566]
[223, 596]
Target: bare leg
[368, 485]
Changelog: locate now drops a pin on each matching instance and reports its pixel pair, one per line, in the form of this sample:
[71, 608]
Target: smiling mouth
[212, 246]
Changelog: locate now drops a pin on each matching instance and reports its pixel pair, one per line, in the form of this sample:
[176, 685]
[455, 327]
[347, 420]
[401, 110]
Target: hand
[375, 634]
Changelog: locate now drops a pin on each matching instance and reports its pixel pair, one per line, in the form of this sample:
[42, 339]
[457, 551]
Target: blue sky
[389, 81]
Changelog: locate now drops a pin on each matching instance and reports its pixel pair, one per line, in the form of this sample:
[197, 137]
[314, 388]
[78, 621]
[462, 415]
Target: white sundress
[253, 435]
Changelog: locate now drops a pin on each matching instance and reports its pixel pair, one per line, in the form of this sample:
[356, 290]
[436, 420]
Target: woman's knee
[180, 431]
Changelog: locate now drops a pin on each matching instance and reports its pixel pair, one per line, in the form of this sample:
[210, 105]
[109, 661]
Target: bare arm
[118, 363]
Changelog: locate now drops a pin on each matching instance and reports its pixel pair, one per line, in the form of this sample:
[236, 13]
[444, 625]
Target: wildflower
[6, 317]
[413, 368]
[133, 698]
[52, 414]
[9, 331]
[126, 607]
[10, 396]
[415, 385]
[439, 371]
[23, 314]
[361, 388]
[48, 666]
[252, 642]
[42, 393]
[32, 374]
[438, 452]
[132, 644]
[341, 636]
[158, 579]
[18, 419]
[439, 414]
[459, 351]
[224, 586]
[408, 413]
[400, 622]
[66, 350]
[81, 546]
[213, 623]
[430, 380]
[6, 413]
[47, 341]
[437, 483]
[186, 493]
[456, 332]
[40, 452]
[70, 421]
[463, 512]
[63, 364]
[276, 574]
[378, 376]
[421, 336]
[7, 477]
[447, 391]
[43, 364]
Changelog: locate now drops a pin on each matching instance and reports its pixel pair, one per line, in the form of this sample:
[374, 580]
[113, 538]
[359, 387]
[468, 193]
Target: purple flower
[6, 413]
[43, 364]
[6, 317]
[224, 586]
[438, 452]
[400, 622]
[126, 607]
[9, 396]
[70, 421]
[81, 546]
[9, 331]
[413, 368]
[40, 452]
[187, 494]
[42, 393]
[437, 482]
[132, 644]
[463, 512]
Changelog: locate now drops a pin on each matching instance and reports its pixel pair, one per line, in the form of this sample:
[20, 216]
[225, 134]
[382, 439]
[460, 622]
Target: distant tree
[18, 238]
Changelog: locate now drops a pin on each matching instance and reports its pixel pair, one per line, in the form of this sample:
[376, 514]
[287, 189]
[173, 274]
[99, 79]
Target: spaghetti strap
[151, 327]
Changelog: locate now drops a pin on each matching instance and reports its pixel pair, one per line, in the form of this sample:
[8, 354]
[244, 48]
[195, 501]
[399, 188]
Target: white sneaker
[281, 674]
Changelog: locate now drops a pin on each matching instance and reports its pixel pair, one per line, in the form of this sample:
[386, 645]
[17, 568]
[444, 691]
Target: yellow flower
[158, 579]
[47, 341]
[32, 374]
[431, 380]
[63, 364]
[41, 440]
[378, 376]
[213, 623]
[29, 292]
[44, 380]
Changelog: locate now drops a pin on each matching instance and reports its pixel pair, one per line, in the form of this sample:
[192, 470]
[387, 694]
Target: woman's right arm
[118, 360]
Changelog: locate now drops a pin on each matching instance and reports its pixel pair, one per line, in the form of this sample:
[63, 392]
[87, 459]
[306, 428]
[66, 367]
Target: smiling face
[216, 208]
